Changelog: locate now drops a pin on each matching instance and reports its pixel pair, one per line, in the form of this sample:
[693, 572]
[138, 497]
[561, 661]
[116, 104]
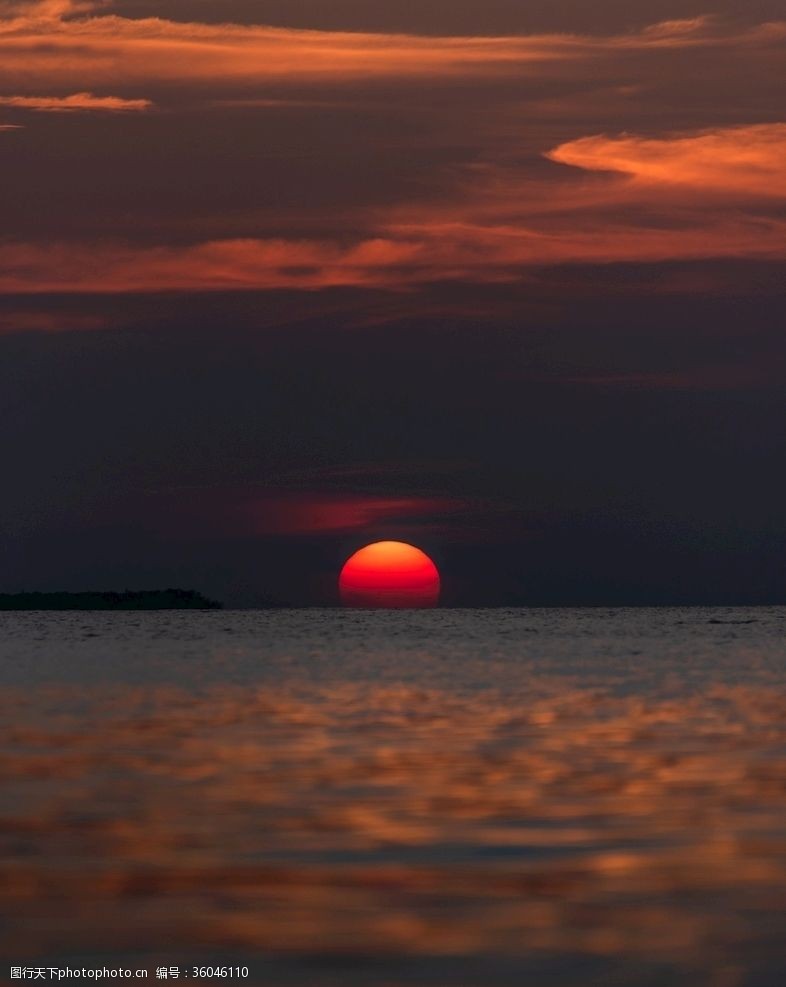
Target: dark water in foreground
[453, 798]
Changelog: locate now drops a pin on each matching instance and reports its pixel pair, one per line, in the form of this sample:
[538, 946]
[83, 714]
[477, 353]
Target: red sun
[389, 574]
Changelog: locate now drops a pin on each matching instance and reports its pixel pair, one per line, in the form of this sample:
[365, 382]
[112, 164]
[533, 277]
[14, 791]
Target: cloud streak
[76, 102]
[43, 321]
[426, 254]
[744, 160]
[56, 41]
[656, 201]
[256, 512]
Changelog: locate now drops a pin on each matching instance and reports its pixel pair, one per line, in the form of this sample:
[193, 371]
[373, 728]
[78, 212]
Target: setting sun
[389, 574]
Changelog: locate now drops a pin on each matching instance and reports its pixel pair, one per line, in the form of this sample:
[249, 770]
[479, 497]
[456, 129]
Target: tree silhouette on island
[145, 599]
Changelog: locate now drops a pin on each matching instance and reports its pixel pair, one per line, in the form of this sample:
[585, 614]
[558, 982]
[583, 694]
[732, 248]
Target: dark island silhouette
[145, 599]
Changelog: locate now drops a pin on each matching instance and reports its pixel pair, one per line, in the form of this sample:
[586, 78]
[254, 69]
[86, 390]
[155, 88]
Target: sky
[280, 278]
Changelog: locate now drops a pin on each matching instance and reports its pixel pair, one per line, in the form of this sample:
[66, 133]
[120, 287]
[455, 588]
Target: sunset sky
[279, 278]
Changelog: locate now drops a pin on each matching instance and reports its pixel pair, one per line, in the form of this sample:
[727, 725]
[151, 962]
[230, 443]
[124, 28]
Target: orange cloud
[749, 160]
[41, 11]
[648, 201]
[53, 40]
[214, 266]
[76, 102]
[426, 253]
[651, 201]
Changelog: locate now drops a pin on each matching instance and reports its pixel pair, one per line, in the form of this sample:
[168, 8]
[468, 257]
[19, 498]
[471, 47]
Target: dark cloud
[545, 458]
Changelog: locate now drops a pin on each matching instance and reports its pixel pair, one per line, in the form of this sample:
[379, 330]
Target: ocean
[451, 798]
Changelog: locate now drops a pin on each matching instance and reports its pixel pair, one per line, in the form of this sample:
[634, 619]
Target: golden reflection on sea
[384, 835]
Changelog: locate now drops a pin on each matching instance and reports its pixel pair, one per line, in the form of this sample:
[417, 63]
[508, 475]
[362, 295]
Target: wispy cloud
[258, 511]
[653, 200]
[76, 102]
[743, 160]
[56, 41]
[326, 513]
[431, 252]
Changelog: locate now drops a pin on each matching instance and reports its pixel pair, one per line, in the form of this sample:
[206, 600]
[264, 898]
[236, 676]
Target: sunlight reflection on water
[555, 798]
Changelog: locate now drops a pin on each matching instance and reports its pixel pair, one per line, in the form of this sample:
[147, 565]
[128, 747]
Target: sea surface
[448, 798]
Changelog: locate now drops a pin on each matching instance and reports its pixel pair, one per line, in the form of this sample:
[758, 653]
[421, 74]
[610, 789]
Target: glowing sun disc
[389, 574]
